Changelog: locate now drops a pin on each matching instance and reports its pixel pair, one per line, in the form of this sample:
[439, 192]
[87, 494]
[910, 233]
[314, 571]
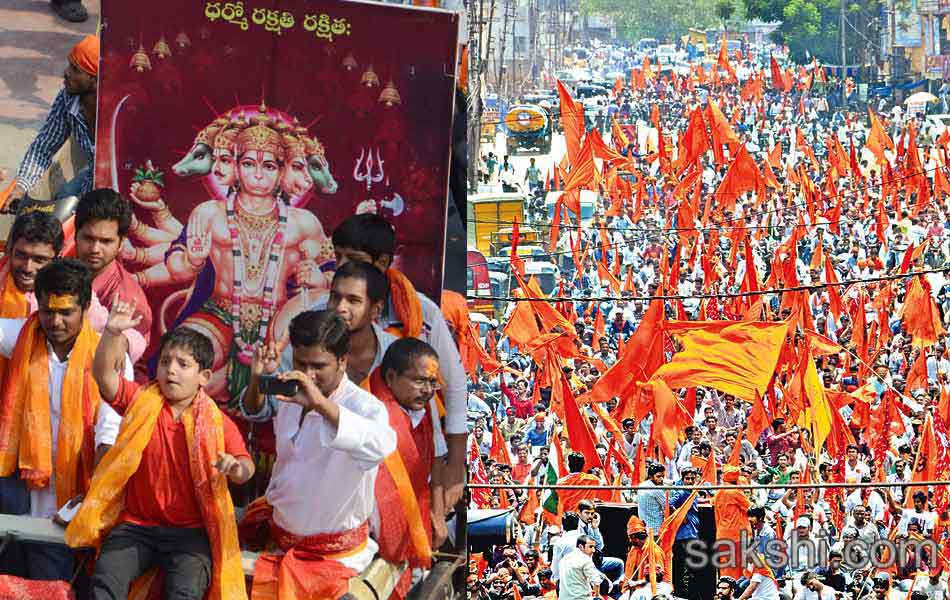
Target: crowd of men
[112, 434]
[774, 180]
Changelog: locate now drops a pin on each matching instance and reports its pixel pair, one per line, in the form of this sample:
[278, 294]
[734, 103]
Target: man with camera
[327, 429]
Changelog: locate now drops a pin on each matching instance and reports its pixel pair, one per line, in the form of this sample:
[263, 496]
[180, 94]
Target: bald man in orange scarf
[73, 113]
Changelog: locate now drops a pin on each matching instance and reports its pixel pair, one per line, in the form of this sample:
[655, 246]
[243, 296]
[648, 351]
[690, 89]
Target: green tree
[725, 8]
[660, 19]
[814, 26]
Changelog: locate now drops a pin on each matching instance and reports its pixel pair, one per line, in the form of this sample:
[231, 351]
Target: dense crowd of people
[759, 301]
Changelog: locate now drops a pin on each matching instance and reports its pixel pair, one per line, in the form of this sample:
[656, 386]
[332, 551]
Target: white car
[667, 54]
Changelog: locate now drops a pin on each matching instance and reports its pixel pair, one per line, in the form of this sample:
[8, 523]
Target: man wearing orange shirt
[521, 470]
[409, 525]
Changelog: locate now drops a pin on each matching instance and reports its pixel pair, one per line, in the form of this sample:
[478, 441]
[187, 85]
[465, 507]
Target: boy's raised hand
[122, 317]
[266, 358]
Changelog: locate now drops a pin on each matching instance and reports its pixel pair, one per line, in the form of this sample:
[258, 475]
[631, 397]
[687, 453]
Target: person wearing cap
[73, 114]
[512, 425]
[882, 588]
[730, 508]
[537, 436]
[636, 566]
[800, 539]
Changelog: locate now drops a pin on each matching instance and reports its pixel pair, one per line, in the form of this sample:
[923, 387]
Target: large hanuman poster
[245, 132]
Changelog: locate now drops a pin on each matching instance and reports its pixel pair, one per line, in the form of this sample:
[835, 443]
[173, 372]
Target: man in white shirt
[371, 239]
[331, 437]
[578, 575]
[926, 518]
[761, 587]
[854, 469]
[565, 543]
[813, 589]
[61, 325]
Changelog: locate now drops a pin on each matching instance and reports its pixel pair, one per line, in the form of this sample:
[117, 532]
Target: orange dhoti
[304, 568]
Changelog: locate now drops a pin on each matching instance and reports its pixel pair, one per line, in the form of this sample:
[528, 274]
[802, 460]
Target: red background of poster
[221, 66]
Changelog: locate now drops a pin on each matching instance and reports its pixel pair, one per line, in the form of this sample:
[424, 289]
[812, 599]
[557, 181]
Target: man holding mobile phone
[331, 437]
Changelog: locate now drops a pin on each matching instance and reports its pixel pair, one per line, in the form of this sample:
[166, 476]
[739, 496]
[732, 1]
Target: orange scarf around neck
[204, 429]
[13, 304]
[395, 490]
[406, 303]
[25, 428]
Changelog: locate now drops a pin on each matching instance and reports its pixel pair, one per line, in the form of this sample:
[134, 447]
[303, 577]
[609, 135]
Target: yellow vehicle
[696, 37]
[501, 241]
[489, 214]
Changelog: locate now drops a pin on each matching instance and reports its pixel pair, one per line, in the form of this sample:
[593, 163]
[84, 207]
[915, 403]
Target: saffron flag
[739, 359]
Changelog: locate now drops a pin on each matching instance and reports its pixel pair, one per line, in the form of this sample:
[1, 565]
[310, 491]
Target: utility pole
[479, 55]
[505, 32]
[844, 60]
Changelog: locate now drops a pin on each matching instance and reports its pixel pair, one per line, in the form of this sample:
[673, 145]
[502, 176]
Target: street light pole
[844, 60]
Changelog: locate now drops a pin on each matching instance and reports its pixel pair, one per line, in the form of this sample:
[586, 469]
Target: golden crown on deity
[225, 139]
[295, 147]
[261, 136]
[206, 135]
[313, 147]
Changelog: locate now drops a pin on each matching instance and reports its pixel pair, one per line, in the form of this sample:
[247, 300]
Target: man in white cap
[802, 551]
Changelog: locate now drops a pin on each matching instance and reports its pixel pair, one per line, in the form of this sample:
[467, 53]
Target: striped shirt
[65, 118]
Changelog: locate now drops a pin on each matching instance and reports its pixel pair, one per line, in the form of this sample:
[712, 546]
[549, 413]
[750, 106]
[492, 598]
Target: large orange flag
[572, 121]
[723, 59]
[499, 447]
[579, 433]
[670, 417]
[925, 464]
[583, 171]
[878, 140]
[920, 314]
[522, 326]
[778, 81]
[739, 360]
[721, 130]
[643, 354]
[694, 143]
[743, 176]
[667, 533]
